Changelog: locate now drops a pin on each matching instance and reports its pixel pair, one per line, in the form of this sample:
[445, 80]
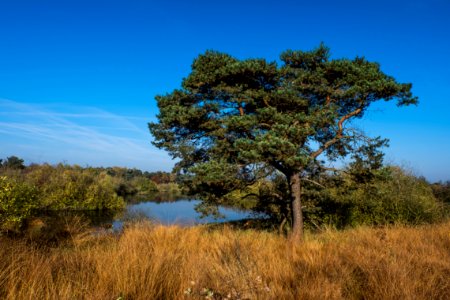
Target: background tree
[12, 162]
[442, 191]
[235, 121]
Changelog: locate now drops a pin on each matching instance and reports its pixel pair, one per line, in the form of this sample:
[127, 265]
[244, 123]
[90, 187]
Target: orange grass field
[160, 262]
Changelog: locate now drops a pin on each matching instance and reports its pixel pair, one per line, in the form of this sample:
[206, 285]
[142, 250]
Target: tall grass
[157, 262]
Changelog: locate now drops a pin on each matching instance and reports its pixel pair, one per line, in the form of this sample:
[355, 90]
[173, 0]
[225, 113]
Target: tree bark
[296, 207]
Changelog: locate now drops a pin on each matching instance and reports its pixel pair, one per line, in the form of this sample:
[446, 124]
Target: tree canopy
[234, 121]
[12, 162]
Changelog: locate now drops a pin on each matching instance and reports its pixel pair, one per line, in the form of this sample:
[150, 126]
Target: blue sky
[78, 78]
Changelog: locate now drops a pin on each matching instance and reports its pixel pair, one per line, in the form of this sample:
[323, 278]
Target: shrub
[442, 191]
[388, 195]
[393, 196]
[17, 200]
[172, 188]
[102, 195]
[64, 187]
[144, 185]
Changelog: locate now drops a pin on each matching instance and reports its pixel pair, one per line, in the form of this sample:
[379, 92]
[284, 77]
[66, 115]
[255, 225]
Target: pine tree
[234, 121]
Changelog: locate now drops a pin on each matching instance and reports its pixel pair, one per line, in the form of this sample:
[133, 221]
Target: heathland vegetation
[26, 191]
[405, 256]
[250, 134]
[160, 262]
[355, 196]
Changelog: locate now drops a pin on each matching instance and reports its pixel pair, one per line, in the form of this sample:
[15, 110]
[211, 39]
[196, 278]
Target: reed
[168, 262]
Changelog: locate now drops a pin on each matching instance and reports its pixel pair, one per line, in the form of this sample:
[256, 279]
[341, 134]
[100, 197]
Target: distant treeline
[25, 190]
[350, 197]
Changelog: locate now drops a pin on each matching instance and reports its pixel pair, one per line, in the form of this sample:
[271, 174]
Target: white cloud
[83, 135]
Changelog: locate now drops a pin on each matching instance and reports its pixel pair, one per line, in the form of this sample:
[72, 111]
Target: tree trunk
[296, 207]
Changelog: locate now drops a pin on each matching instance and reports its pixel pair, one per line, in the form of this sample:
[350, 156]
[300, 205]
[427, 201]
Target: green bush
[64, 187]
[102, 195]
[17, 201]
[388, 195]
[442, 191]
[393, 196]
[171, 188]
[144, 185]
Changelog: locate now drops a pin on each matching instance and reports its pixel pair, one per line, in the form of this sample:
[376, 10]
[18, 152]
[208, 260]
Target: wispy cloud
[85, 135]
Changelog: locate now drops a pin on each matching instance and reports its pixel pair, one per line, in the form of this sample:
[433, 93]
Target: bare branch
[338, 135]
[314, 182]
[332, 169]
[241, 110]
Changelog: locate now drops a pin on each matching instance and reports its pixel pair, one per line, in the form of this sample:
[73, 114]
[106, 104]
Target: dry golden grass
[157, 262]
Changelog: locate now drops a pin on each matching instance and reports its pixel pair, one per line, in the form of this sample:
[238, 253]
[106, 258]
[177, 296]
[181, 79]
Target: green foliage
[235, 122]
[251, 111]
[130, 182]
[65, 187]
[273, 199]
[17, 200]
[29, 190]
[355, 196]
[12, 162]
[160, 177]
[101, 195]
[169, 188]
[26, 191]
[391, 196]
[441, 191]
[144, 185]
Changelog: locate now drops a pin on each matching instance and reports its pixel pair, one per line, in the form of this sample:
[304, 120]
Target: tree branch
[279, 167]
[314, 182]
[338, 135]
[332, 169]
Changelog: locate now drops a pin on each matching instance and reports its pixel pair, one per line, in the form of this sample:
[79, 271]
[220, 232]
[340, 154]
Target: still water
[178, 212]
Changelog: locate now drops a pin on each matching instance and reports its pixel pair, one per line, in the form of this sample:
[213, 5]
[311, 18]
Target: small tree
[234, 121]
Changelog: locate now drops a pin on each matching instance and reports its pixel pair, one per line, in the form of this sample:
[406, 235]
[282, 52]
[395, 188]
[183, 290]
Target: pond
[181, 212]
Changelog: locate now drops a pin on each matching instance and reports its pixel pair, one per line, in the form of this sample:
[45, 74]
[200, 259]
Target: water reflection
[180, 212]
[163, 211]
[156, 197]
